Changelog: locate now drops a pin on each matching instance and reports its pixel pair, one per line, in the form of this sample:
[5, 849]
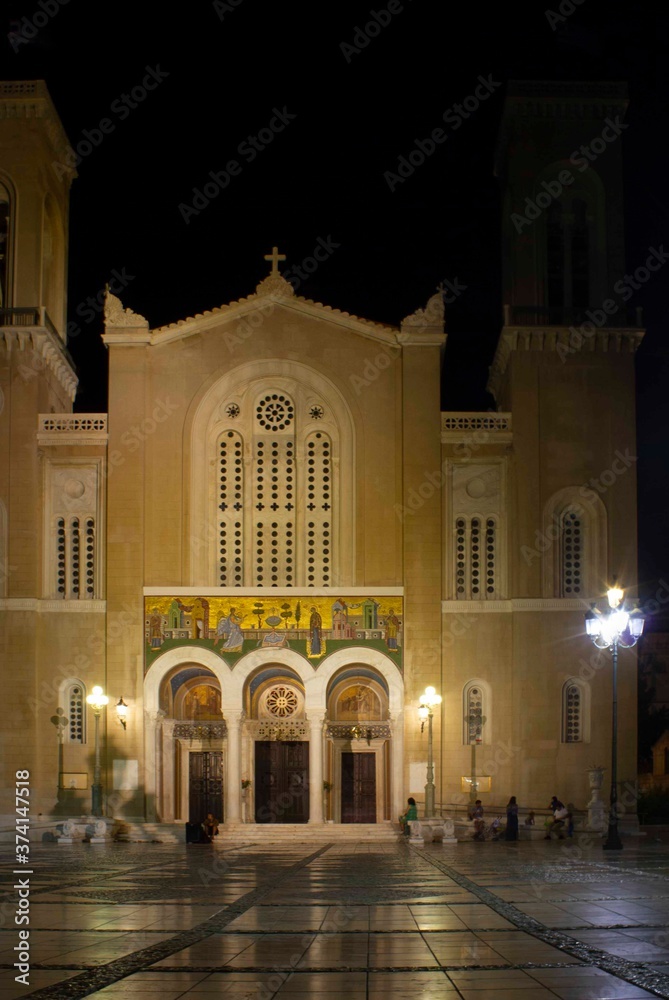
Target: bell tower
[35, 179]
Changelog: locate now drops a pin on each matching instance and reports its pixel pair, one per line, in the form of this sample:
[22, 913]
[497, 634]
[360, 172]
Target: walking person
[511, 832]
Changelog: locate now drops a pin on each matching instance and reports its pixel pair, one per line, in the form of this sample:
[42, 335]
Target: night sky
[346, 102]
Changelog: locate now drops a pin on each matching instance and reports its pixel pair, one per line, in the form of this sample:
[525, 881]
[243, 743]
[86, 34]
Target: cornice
[559, 340]
[39, 606]
[48, 348]
[333, 592]
[31, 99]
[515, 604]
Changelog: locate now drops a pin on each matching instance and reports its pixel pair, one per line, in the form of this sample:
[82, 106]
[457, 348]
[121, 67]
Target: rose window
[275, 412]
[282, 702]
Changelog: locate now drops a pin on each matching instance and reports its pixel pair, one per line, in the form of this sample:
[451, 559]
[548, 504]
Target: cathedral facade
[275, 540]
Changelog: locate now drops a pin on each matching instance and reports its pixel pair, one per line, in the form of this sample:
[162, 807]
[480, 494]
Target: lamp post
[608, 630]
[97, 700]
[428, 700]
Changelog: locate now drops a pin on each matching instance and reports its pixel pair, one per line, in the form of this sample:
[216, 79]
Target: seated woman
[406, 817]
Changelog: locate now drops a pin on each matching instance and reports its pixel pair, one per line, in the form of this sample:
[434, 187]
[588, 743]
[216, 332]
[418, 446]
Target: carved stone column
[169, 774]
[233, 777]
[397, 796]
[315, 770]
[153, 764]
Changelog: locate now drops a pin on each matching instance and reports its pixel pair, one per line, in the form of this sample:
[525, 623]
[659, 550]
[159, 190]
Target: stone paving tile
[462, 922]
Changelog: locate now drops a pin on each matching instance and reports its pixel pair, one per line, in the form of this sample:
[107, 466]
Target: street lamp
[97, 700]
[428, 700]
[608, 630]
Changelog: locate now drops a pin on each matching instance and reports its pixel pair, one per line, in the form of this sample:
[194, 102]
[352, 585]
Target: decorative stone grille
[206, 731]
[372, 731]
[276, 729]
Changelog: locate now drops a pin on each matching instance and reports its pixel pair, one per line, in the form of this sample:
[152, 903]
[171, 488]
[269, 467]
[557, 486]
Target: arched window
[571, 246]
[76, 712]
[476, 712]
[575, 711]
[574, 545]
[568, 240]
[572, 552]
[276, 506]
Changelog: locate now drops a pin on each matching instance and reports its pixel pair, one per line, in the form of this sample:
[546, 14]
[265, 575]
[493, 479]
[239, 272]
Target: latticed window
[572, 713]
[474, 715]
[475, 558]
[571, 554]
[318, 516]
[77, 715]
[75, 558]
[275, 500]
[231, 505]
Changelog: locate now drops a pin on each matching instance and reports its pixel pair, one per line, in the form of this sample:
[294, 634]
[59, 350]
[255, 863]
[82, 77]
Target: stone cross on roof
[275, 257]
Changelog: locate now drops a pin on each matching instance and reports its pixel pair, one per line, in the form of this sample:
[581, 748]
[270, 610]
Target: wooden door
[205, 785]
[281, 782]
[358, 787]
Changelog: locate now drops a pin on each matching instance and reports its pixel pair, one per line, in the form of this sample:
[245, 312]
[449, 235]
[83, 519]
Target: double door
[358, 787]
[281, 782]
[205, 785]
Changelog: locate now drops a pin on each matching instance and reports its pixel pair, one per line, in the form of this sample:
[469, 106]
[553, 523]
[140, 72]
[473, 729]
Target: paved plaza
[358, 921]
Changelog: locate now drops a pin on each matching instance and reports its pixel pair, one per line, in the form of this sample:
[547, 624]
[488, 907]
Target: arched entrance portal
[279, 740]
[276, 746]
[359, 746]
[193, 743]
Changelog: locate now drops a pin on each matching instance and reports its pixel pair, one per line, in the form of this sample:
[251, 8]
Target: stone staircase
[241, 834]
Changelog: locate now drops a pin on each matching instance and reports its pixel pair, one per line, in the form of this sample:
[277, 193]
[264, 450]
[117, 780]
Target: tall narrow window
[77, 715]
[274, 485]
[572, 713]
[476, 709]
[568, 247]
[318, 519]
[474, 715]
[231, 506]
[571, 553]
